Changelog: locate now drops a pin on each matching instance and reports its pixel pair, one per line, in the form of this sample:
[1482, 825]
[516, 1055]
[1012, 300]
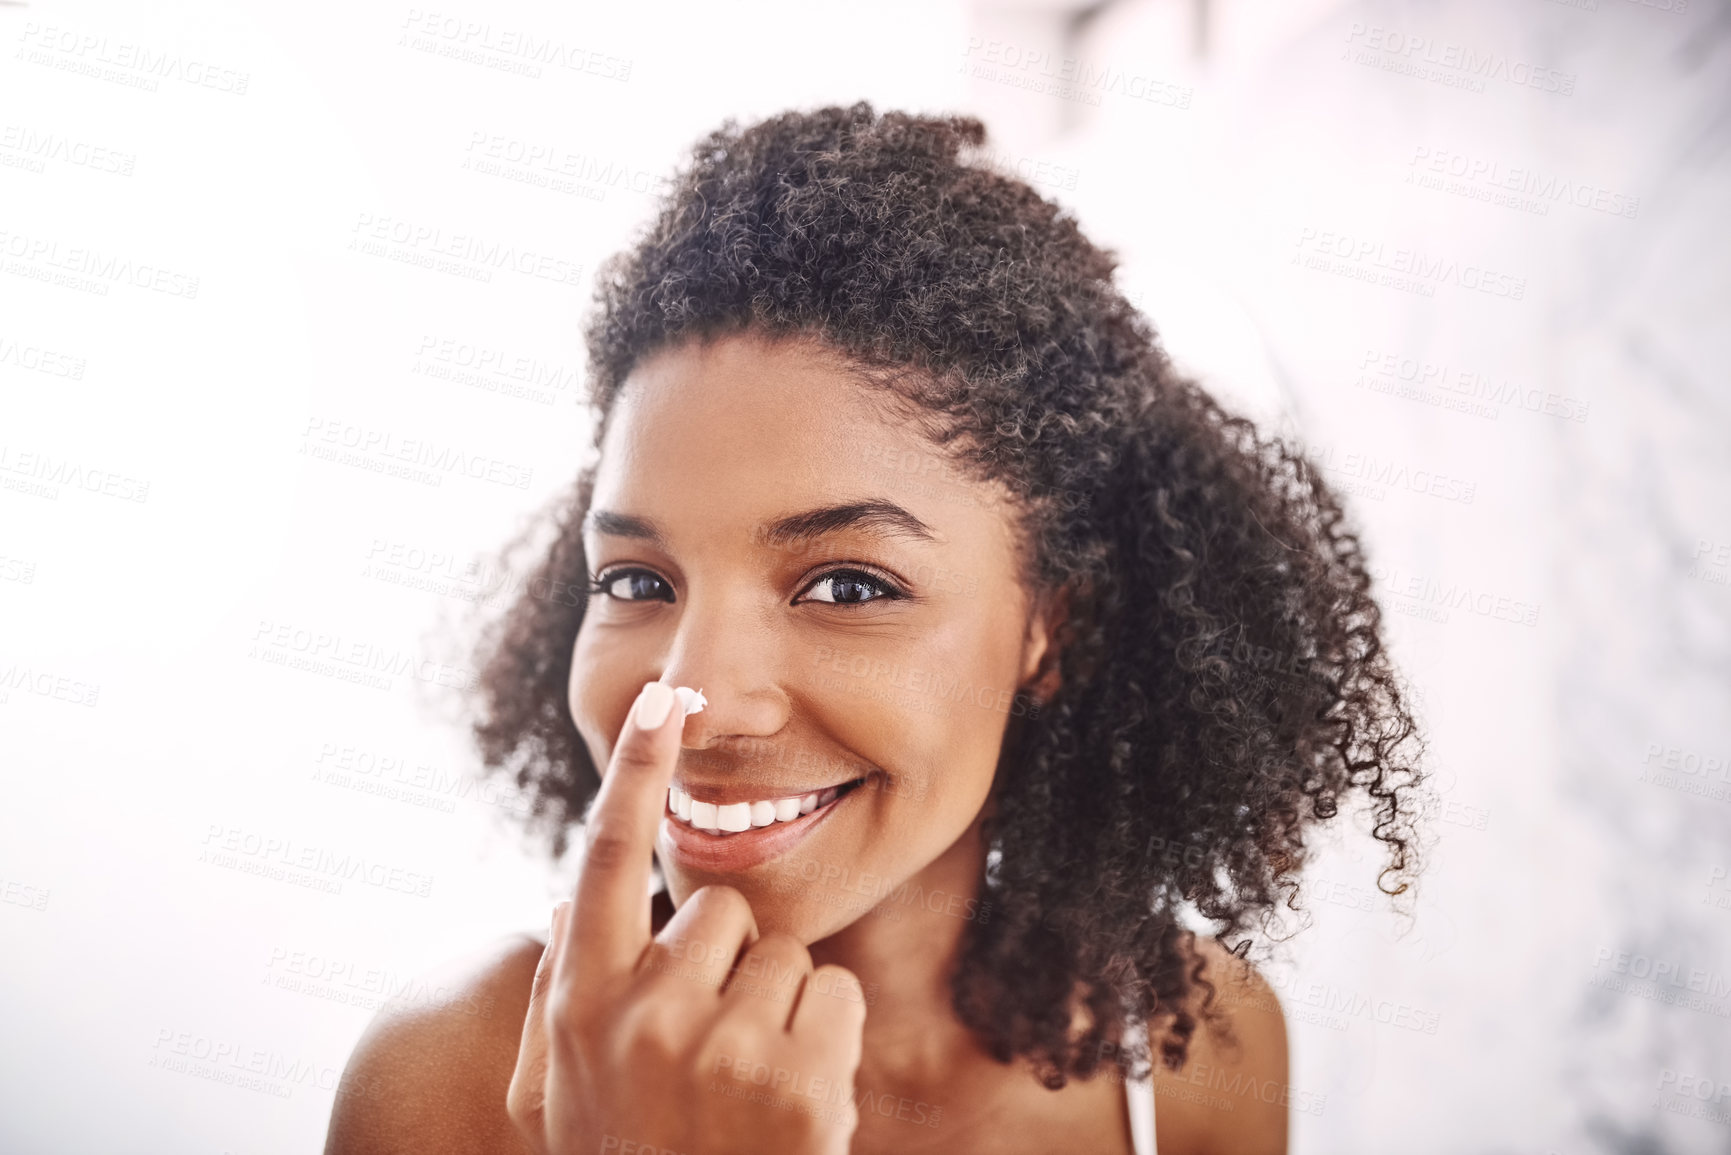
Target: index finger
[609, 923]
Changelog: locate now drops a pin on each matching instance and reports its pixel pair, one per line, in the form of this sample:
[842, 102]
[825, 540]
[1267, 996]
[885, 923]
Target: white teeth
[735, 817]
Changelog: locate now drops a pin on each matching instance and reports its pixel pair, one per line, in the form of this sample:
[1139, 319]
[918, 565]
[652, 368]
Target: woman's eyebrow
[875, 515]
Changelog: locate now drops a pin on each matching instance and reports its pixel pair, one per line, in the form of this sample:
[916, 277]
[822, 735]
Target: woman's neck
[904, 951]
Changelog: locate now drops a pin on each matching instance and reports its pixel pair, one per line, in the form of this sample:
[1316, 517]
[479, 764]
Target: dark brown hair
[1224, 680]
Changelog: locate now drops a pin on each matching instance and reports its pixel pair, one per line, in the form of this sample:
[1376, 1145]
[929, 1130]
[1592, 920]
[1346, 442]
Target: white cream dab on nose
[691, 701]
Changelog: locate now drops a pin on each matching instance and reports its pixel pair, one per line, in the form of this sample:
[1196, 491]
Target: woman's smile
[719, 810]
[728, 837]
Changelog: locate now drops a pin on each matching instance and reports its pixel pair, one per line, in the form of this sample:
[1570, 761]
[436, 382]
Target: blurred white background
[1475, 254]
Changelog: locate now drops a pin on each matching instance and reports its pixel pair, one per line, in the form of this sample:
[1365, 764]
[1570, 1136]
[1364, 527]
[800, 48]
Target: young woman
[1011, 645]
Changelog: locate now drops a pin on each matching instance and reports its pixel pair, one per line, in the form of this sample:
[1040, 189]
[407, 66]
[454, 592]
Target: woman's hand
[677, 1045]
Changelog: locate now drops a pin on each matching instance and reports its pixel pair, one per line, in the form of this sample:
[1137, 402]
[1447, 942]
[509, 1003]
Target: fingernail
[654, 703]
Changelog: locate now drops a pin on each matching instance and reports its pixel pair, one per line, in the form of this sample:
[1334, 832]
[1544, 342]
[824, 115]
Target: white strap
[1139, 1094]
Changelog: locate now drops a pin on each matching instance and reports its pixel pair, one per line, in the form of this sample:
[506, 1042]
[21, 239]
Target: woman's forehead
[741, 412]
[781, 387]
[745, 432]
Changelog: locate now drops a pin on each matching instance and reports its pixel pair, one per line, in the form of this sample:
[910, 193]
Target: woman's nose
[735, 669]
[732, 708]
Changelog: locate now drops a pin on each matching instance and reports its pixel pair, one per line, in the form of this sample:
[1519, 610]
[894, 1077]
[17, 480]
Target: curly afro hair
[1224, 684]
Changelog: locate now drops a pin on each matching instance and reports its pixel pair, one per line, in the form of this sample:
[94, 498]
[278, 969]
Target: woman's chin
[774, 909]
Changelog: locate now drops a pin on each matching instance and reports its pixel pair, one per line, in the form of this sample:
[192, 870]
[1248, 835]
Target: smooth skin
[833, 959]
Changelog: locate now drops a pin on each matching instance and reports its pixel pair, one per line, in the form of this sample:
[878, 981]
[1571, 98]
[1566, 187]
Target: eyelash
[891, 591]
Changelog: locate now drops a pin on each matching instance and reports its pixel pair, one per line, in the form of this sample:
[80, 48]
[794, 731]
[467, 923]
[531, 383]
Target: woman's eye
[631, 585]
[852, 587]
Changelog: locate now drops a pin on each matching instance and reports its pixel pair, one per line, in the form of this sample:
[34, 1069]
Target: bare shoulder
[430, 1075]
[1232, 1094]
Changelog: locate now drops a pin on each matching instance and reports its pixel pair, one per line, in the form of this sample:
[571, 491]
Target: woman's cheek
[599, 696]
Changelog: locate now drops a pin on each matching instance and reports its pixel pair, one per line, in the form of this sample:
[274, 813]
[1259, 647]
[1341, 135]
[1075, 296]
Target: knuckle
[855, 1019]
[606, 849]
[838, 982]
[634, 756]
[722, 901]
[774, 966]
[571, 1021]
[835, 995]
[667, 979]
[655, 1030]
[523, 1102]
[563, 1008]
[663, 960]
[733, 1043]
[785, 947]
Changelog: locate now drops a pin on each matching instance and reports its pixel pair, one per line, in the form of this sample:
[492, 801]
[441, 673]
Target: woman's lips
[726, 853]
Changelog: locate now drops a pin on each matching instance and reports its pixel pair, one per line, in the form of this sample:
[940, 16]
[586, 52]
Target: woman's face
[847, 603]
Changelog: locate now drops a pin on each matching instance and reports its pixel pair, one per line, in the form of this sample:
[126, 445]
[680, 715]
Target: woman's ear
[1047, 634]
